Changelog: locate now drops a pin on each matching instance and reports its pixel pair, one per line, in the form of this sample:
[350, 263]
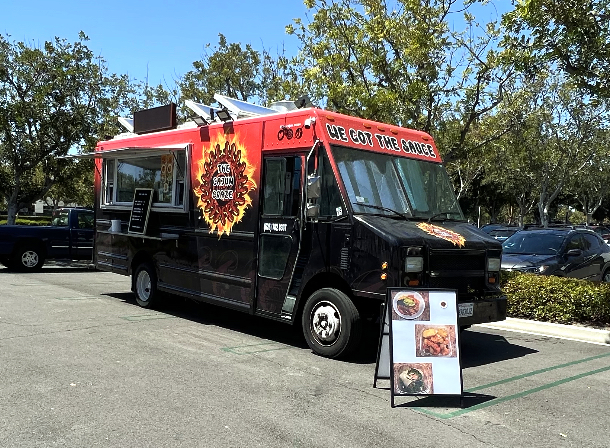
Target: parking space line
[142, 317]
[245, 349]
[509, 397]
[536, 372]
[78, 298]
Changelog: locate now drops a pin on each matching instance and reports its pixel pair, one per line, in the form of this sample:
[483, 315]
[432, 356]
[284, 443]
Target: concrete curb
[570, 332]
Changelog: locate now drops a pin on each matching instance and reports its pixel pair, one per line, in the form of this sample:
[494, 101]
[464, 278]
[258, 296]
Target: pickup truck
[69, 237]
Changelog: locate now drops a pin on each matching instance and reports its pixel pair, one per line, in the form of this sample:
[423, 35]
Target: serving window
[163, 173]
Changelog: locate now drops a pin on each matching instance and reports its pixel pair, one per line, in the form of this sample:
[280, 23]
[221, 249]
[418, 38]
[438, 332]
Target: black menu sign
[142, 200]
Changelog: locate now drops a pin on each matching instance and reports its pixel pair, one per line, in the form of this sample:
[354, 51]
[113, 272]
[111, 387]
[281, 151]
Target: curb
[570, 332]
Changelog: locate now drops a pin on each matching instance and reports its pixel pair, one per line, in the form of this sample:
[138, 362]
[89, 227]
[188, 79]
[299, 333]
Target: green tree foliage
[574, 34]
[403, 64]
[240, 72]
[48, 105]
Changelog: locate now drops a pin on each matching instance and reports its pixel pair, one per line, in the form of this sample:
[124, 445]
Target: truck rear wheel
[145, 285]
[331, 323]
[28, 258]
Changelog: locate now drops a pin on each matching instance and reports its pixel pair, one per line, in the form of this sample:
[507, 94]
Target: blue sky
[165, 36]
[162, 38]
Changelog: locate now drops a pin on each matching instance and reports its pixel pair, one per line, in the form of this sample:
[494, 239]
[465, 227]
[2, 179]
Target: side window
[330, 201]
[274, 252]
[592, 243]
[85, 220]
[282, 186]
[574, 243]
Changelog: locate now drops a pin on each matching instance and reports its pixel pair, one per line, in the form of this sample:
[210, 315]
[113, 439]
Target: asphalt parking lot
[82, 365]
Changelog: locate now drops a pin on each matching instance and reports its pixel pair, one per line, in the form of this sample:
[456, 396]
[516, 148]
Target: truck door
[82, 236]
[279, 229]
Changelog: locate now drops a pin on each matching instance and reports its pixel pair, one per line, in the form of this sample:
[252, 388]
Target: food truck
[300, 215]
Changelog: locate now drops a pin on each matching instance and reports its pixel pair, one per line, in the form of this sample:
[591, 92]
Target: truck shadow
[477, 348]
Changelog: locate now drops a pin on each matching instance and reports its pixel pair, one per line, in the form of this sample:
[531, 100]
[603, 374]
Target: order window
[164, 173]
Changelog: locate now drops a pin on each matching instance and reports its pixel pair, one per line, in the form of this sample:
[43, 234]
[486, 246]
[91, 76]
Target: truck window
[85, 220]
[61, 218]
[282, 189]
[331, 204]
[164, 173]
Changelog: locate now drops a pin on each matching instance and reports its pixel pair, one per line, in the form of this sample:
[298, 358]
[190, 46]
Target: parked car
[503, 233]
[565, 252]
[602, 231]
[70, 236]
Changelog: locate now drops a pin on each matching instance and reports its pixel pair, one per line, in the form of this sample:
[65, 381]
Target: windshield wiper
[379, 207]
[436, 215]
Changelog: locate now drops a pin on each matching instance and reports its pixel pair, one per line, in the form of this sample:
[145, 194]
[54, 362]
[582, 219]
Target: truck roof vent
[283, 106]
[242, 109]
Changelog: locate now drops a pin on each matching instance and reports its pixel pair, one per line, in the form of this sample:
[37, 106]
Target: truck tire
[331, 323]
[145, 285]
[28, 258]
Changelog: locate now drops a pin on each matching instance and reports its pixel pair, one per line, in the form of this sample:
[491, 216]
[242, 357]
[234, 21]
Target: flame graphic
[222, 214]
[445, 234]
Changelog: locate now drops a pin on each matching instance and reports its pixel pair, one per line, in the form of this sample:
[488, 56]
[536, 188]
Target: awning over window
[125, 152]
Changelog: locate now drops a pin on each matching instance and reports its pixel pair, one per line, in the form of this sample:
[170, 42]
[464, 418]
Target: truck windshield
[413, 187]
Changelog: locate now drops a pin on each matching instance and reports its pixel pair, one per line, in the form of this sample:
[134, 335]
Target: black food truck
[303, 216]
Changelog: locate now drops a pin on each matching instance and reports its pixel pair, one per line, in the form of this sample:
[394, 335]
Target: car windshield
[533, 243]
[412, 187]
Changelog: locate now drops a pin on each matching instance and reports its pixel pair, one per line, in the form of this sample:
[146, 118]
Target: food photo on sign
[435, 340]
[413, 379]
[410, 305]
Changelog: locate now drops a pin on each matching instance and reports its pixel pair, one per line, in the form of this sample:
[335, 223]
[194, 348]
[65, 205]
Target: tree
[403, 65]
[574, 34]
[555, 137]
[242, 73]
[48, 105]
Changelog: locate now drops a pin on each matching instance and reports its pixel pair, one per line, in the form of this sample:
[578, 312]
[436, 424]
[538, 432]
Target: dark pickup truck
[69, 237]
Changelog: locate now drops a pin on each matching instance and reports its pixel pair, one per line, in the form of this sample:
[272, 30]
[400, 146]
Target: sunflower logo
[225, 180]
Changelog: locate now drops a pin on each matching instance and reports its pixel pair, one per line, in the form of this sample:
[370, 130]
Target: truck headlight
[493, 264]
[414, 264]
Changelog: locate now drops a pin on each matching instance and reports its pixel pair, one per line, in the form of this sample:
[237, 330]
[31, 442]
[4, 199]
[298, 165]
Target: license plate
[465, 309]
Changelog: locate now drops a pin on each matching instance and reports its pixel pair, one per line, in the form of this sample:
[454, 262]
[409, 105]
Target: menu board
[424, 349]
[142, 200]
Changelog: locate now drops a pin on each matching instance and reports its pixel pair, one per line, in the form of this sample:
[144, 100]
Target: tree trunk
[11, 211]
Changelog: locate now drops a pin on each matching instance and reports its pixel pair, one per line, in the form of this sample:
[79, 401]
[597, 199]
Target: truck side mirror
[314, 186]
[312, 211]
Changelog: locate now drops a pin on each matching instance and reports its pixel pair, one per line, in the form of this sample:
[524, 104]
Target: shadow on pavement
[207, 314]
[469, 400]
[482, 348]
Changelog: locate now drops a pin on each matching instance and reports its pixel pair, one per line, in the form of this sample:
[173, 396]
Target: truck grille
[457, 260]
[462, 270]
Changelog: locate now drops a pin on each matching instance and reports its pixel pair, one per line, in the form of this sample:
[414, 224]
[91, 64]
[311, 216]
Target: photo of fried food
[435, 340]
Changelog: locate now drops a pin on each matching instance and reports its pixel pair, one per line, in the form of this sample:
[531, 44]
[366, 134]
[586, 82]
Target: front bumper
[485, 310]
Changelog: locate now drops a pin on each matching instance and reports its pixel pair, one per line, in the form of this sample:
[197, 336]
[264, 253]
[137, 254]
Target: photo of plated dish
[408, 305]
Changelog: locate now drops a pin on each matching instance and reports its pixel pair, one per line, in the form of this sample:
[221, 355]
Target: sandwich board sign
[419, 350]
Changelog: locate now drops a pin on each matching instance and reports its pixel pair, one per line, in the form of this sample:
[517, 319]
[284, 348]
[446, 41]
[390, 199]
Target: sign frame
[140, 210]
[387, 336]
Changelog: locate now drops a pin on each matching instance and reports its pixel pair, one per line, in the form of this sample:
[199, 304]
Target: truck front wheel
[28, 258]
[331, 323]
[145, 285]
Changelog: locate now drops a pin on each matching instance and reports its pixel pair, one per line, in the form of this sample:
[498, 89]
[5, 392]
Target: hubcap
[143, 286]
[325, 323]
[29, 258]
[607, 277]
